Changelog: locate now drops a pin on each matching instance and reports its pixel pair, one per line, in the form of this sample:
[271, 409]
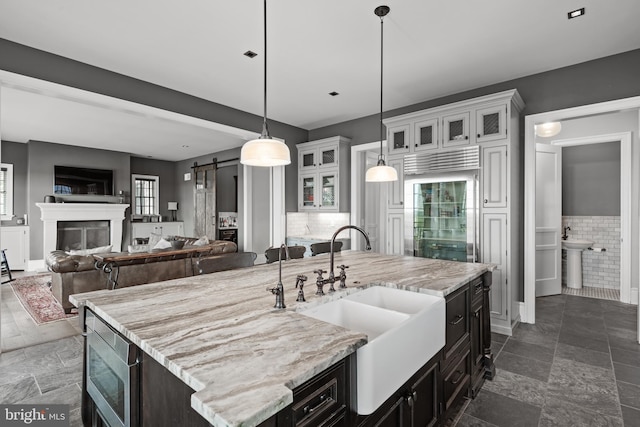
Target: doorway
[630, 154]
[367, 198]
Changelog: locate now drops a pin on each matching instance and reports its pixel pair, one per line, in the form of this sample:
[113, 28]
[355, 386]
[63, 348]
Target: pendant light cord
[265, 127]
[380, 157]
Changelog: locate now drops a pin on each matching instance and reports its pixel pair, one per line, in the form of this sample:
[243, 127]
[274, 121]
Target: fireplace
[53, 213]
[78, 235]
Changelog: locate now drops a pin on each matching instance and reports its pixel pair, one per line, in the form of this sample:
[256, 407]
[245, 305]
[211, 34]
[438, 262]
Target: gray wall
[39, 64]
[603, 79]
[166, 171]
[591, 180]
[16, 154]
[43, 156]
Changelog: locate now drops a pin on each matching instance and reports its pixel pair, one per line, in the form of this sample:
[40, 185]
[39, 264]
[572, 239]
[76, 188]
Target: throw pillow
[154, 238]
[98, 250]
[162, 244]
[201, 241]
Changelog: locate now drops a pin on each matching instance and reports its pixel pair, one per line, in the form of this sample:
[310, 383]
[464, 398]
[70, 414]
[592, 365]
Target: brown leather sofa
[75, 274]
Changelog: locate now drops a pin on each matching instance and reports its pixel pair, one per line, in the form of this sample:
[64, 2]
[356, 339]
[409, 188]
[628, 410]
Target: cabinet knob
[416, 145]
[319, 164]
[486, 200]
[478, 135]
[466, 137]
[406, 146]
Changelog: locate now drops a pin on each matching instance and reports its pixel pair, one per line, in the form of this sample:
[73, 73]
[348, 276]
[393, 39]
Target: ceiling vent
[250, 54]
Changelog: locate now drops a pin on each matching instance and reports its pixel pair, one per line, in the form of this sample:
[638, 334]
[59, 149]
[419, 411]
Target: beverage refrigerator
[441, 216]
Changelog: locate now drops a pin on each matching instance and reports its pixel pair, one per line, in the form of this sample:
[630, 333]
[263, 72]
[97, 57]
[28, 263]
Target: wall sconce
[173, 207]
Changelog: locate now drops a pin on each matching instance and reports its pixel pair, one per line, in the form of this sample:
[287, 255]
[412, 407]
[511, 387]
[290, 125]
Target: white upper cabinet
[319, 156]
[398, 139]
[455, 128]
[491, 123]
[427, 135]
[464, 123]
[323, 175]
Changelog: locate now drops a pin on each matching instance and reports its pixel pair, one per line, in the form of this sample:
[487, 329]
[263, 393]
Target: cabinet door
[423, 399]
[491, 123]
[398, 139]
[396, 188]
[307, 159]
[494, 177]
[328, 156]
[455, 130]
[494, 251]
[14, 241]
[328, 190]
[426, 135]
[395, 230]
[307, 191]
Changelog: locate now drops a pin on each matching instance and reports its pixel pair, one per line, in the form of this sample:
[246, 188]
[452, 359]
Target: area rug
[34, 294]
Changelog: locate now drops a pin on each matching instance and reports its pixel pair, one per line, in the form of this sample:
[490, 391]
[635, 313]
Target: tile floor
[579, 365]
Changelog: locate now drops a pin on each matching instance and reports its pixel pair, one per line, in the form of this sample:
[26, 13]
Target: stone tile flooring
[579, 365]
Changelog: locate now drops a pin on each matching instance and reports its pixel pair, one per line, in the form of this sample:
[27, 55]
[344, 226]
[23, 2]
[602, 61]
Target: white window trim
[9, 215]
[156, 196]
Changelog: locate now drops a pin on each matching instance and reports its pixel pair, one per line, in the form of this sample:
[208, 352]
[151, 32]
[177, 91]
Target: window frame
[9, 215]
[156, 195]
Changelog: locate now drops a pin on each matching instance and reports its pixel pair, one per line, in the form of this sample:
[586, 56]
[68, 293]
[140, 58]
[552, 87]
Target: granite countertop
[220, 334]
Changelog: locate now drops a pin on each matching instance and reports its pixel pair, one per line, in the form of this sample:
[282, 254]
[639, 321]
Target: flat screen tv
[75, 180]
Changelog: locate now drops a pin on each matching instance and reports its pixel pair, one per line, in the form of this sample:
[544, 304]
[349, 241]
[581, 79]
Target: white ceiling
[432, 49]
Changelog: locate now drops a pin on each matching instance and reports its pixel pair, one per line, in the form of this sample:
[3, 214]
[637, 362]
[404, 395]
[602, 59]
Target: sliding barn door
[205, 201]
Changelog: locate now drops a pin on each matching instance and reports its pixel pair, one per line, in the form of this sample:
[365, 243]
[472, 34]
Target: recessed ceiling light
[575, 13]
[250, 54]
[334, 93]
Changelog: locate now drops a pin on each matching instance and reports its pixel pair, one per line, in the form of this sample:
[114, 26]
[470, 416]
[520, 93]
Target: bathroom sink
[577, 243]
[405, 329]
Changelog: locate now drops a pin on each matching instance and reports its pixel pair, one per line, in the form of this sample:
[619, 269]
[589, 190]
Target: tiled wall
[317, 224]
[599, 269]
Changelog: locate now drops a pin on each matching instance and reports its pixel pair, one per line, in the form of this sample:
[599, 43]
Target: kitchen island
[220, 335]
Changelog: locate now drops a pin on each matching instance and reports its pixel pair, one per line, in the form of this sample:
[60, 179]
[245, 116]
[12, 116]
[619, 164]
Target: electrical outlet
[20, 221]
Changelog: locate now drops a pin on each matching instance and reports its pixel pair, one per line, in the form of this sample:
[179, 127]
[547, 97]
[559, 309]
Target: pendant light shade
[381, 172]
[265, 151]
[546, 130]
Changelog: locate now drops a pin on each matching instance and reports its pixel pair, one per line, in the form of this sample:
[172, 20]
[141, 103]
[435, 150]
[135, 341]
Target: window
[145, 190]
[6, 191]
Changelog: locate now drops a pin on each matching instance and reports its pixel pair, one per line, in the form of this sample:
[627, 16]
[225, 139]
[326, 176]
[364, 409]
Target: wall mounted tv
[75, 180]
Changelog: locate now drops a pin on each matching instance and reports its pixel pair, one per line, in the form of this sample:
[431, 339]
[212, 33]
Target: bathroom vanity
[212, 349]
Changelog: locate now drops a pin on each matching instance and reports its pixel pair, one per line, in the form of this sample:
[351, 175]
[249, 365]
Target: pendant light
[381, 172]
[265, 151]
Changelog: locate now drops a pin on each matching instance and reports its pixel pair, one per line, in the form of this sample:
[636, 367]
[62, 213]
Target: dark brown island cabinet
[430, 397]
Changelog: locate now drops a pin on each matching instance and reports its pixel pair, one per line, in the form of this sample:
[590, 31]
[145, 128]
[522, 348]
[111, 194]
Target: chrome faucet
[331, 279]
[278, 291]
[564, 233]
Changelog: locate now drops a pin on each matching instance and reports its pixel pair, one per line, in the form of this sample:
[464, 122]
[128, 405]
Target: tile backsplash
[599, 269]
[316, 224]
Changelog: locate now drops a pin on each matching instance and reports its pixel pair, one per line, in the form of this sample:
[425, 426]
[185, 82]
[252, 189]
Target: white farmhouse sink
[577, 244]
[405, 330]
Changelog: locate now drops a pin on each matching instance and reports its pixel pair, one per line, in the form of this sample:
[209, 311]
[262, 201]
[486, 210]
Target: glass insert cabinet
[319, 190]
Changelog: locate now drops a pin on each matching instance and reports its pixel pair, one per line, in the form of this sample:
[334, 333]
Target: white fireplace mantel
[51, 213]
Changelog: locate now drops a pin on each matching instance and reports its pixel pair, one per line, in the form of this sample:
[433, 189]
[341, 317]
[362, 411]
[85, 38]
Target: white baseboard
[634, 296]
[503, 330]
[523, 313]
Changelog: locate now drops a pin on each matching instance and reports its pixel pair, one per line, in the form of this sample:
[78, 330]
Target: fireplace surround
[52, 213]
